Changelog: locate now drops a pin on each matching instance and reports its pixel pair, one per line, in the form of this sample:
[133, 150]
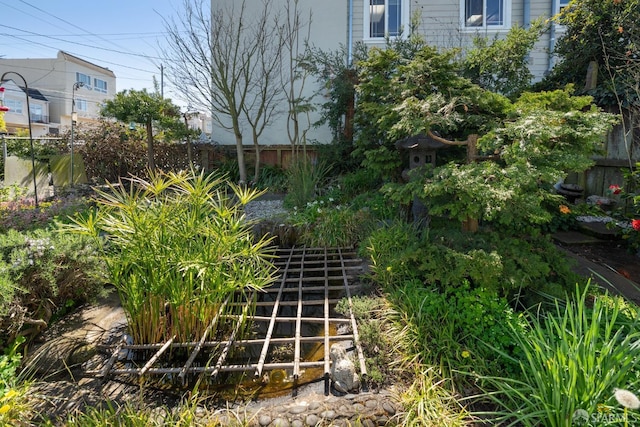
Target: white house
[14, 97]
[443, 23]
[61, 79]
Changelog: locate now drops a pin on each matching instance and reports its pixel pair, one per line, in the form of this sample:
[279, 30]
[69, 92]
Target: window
[81, 104]
[486, 14]
[385, 18]
[100, 85]
[37, 113]
[561, 4]
[83, 78]
[14, 106]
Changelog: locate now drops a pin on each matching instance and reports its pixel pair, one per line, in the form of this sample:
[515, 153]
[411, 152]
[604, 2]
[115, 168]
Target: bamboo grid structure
[303, 273]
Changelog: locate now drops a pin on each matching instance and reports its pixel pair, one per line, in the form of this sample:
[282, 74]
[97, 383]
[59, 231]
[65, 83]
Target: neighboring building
[14, 97]
[443, 23]
[54, 79]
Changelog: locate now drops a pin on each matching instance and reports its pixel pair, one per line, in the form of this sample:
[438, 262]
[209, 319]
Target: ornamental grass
[180, 252]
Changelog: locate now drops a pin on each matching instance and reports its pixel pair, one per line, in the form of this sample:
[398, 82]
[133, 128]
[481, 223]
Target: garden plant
[179, 252]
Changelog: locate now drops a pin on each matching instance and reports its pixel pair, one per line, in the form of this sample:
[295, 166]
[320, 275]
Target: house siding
[55, 77]
[439, 23]
[328, 31]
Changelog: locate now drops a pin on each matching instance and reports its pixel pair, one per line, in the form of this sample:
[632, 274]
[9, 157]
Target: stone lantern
[421, 150]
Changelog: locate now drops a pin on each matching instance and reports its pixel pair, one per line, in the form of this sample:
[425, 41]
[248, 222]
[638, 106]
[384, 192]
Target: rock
[343, 371]
[264, 420]
[312, 420]
[280, 422]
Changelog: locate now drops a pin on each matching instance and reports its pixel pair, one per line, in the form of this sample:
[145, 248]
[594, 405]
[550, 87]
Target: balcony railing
[39, 118]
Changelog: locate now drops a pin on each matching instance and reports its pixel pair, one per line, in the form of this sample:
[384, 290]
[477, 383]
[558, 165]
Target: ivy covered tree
[142, 107]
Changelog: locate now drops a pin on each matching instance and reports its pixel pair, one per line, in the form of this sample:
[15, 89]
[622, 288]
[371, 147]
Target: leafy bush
[358, 182]
[23, 215]
[322, 224]
[14, 406]
[42, 274]
[393, 251]
[455, 328]
[177, 249]
[444, 257]
[573, 359]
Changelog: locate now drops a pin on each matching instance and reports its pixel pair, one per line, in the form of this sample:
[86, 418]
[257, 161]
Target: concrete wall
[328, 30]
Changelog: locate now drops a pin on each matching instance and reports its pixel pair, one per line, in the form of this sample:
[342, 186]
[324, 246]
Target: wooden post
[469, 224]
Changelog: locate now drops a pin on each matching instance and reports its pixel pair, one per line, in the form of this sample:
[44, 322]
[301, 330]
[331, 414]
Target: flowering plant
[615, 189]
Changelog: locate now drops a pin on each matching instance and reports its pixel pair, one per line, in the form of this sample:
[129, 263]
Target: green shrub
[360, 181]
[457, 328]
[323, 224]
[445, 257]
[42, 274]
[574, 358]
[394, 252]
[15, 408]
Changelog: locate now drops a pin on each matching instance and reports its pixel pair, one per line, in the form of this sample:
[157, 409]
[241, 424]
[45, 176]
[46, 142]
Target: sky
[122, 35]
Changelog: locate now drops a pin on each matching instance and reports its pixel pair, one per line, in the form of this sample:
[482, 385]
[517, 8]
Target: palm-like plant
[178, 250]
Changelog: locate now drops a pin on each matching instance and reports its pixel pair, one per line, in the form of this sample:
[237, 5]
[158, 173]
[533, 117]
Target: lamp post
[74, 119]
[33, 160]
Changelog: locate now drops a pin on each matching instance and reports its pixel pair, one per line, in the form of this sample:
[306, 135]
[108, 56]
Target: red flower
[635, 223]
[615, 189]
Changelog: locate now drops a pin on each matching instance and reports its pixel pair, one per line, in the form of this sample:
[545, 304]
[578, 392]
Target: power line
[78, 43]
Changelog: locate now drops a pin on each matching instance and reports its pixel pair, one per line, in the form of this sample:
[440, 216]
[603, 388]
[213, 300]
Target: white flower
[626, 398]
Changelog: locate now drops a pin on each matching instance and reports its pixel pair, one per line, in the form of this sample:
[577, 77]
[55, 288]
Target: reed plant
[180, 252]
[304, 178]
[575, 356]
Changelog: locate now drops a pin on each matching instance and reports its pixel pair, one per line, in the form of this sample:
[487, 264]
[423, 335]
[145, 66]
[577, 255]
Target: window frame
[83, 78]
[404, 20]
[11, 104]
[506, 20]
[560, 6]
[81, 105]
[97, 87]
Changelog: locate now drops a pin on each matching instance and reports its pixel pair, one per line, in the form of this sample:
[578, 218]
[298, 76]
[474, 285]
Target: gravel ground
[265, 209]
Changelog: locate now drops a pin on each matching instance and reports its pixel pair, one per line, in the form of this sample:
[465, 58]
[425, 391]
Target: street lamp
[33, 160]
[74, 119]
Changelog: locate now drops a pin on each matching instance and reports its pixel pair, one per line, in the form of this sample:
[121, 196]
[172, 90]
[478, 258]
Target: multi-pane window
[81, 104]
[37, 113]
[385, 18]
[14, 106]
[485, 13]
[561, 4]
[83, 78]
[100, 85]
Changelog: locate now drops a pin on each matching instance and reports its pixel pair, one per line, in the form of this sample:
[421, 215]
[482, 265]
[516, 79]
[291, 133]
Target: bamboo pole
[354, 327]
[274, 314]
[156, 356]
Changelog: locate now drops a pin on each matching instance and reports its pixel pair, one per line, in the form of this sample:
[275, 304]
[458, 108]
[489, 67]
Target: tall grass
[177, 248]
[574, 358]
[304, 178]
